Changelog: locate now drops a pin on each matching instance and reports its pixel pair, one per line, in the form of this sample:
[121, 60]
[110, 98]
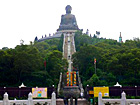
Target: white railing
[63, 44]
[74, 43]
[30, 101]
[59, 84]
[122, 101]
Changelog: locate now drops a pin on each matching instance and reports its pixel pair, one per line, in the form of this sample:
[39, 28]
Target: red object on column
[45, 63]
[71, 79]
[67, 78]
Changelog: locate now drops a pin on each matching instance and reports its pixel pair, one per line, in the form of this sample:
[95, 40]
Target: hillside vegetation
[35, 65]
[115, 62]
[40, 64]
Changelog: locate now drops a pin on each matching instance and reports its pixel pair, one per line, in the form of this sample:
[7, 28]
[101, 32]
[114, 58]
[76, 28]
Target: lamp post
[87, 96]
[53, 88]
[136, 90]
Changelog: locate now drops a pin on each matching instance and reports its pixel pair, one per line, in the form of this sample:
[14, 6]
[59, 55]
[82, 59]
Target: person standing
[81, 95]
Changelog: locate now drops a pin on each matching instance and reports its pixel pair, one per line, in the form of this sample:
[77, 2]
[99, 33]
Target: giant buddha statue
[68, 21]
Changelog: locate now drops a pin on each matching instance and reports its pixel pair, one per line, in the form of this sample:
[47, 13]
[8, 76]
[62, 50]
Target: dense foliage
[116, 62]
[25, 63]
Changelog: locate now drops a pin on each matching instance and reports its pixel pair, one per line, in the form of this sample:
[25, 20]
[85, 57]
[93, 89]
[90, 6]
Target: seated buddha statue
[68, 21]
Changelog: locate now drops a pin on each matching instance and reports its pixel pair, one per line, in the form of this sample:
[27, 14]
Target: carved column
[30, 99]
[100, 99]
[53, 98]
[5, 99]
[123, 99]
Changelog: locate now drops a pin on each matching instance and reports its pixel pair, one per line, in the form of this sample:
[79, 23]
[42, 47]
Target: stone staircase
[63, 89]
[65, 46]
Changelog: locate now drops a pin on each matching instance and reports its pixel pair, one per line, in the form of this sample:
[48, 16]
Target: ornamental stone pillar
[53, 99]
[100, 99]
[30, 99]
[5, 99]
[123, 99]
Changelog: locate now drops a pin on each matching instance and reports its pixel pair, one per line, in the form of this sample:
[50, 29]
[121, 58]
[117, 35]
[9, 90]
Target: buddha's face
[68, 9]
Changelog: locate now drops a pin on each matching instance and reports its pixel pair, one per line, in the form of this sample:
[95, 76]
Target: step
[79, 102]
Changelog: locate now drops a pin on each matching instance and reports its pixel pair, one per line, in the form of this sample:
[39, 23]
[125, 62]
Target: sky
[26, 19]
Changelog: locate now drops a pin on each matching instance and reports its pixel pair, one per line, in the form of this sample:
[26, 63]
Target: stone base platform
[71, 91]
[79, 102]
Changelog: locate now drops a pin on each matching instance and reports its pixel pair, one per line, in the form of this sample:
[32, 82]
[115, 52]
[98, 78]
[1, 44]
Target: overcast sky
[26, 19]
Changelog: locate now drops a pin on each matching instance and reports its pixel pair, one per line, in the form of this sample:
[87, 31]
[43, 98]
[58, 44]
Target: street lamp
[87, 95]
[53, 87]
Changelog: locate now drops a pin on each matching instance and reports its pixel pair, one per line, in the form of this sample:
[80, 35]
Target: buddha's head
[68, 9]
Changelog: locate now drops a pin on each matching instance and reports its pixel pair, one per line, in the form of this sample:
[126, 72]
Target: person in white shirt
[81, 95]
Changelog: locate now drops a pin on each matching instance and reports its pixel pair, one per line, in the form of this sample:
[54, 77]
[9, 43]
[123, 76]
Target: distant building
[87, 32]
[120, 38]
[36, 39]
[97, 34]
